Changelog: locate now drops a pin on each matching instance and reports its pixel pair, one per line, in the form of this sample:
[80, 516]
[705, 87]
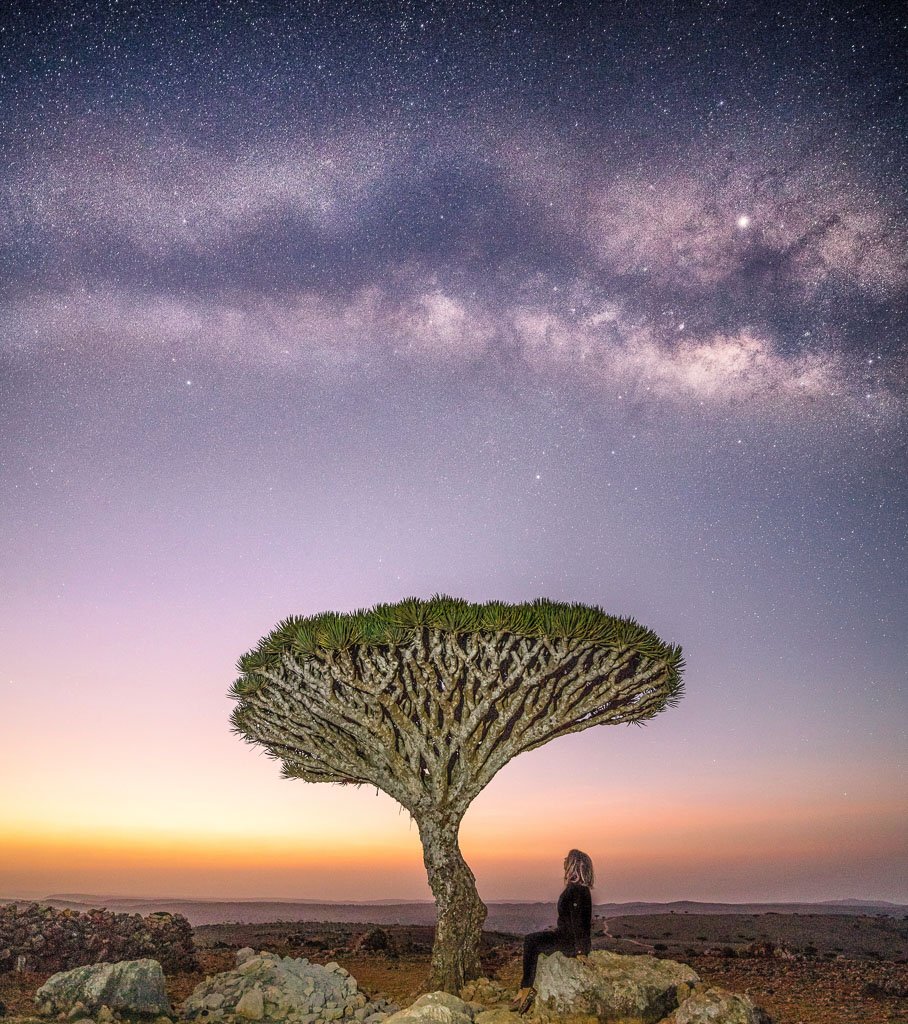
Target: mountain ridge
[504, 915]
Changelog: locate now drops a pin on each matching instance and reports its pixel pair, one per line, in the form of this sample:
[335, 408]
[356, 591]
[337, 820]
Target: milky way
[706, 277]
[320, 307]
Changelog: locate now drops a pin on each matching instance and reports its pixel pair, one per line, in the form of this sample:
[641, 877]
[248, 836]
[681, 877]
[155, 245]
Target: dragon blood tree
[427, 700]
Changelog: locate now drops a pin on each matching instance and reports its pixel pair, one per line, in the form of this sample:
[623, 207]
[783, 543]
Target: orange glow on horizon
[665, 840]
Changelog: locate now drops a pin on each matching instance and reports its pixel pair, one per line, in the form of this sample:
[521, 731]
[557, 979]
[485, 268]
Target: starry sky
[310, 306]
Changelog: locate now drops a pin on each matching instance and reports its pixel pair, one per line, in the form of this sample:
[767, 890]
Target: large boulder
[610, 987]
[266, 987]
[434, 1008]
[132, 988]
[716, 1006]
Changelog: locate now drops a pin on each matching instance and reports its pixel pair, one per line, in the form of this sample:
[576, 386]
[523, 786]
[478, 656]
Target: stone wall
[57, 940]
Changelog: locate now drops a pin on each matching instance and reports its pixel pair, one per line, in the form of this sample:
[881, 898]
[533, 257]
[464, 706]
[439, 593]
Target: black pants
[543, 942]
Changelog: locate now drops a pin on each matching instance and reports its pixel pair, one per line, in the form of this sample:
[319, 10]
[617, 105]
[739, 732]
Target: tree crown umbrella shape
[428, 700]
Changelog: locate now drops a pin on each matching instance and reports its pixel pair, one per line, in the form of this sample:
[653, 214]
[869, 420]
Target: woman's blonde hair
[578, 869]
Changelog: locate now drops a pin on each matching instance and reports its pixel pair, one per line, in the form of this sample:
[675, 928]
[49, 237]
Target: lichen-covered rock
[453, 1003]
[434, 1008]
[250, 1005]
[716, 1006]
[132, 988]
[609, 987]
[500, 1015]
[266, 987]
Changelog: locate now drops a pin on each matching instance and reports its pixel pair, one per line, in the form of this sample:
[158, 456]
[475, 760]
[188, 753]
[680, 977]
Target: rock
[244, 954]
[499, 1016]
[250, 1005]
[433, 1008]
[130, 987]
[104, 1015]
[250, 966]
[487, 992]
[609, 987]
[716, 1006]
[265, 986]
[375, 941]
[453, 1003]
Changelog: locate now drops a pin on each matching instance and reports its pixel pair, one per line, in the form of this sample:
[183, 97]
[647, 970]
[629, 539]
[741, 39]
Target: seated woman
[572, 934]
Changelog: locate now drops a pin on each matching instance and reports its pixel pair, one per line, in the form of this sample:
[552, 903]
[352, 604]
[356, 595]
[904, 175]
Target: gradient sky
[312, 309]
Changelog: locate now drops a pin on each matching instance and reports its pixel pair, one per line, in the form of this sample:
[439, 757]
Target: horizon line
[83, 897]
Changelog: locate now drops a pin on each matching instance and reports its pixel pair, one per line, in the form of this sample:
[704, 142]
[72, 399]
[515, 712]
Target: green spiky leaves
[397, 624]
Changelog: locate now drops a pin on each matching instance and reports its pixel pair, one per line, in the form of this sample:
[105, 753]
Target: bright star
[744, 222]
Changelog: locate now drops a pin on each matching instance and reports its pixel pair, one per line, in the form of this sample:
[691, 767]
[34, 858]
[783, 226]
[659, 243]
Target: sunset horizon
[755, 853]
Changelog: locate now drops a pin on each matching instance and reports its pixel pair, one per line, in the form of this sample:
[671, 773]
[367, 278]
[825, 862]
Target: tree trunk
[459, 910]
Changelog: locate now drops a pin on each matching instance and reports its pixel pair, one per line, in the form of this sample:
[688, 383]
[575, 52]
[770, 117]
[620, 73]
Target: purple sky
[312, 310]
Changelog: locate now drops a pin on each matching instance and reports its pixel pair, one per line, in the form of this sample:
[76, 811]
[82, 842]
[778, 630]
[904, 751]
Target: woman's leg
[534, 944]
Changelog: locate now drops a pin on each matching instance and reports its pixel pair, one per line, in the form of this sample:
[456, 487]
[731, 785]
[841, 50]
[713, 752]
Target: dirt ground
[801, 991]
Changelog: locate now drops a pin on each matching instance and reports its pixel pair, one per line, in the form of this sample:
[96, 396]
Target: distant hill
[882, 904]
[851, 906]
[517, 918]
[94, 897]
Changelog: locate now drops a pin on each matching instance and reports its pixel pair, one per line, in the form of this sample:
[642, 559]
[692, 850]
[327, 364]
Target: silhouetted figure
[571, 936]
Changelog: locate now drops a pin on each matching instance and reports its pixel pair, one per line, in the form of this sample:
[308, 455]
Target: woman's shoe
[518, 1001]
[525, 999]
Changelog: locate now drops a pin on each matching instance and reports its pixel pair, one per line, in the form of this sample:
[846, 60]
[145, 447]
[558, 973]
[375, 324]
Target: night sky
[307, 307]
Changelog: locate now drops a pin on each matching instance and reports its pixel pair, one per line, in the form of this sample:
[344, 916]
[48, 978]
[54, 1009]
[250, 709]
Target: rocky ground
[815, 991]
[861, 937]
[392, 963]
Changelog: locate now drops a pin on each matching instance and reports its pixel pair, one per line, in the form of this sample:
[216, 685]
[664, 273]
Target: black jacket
[575, 916]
